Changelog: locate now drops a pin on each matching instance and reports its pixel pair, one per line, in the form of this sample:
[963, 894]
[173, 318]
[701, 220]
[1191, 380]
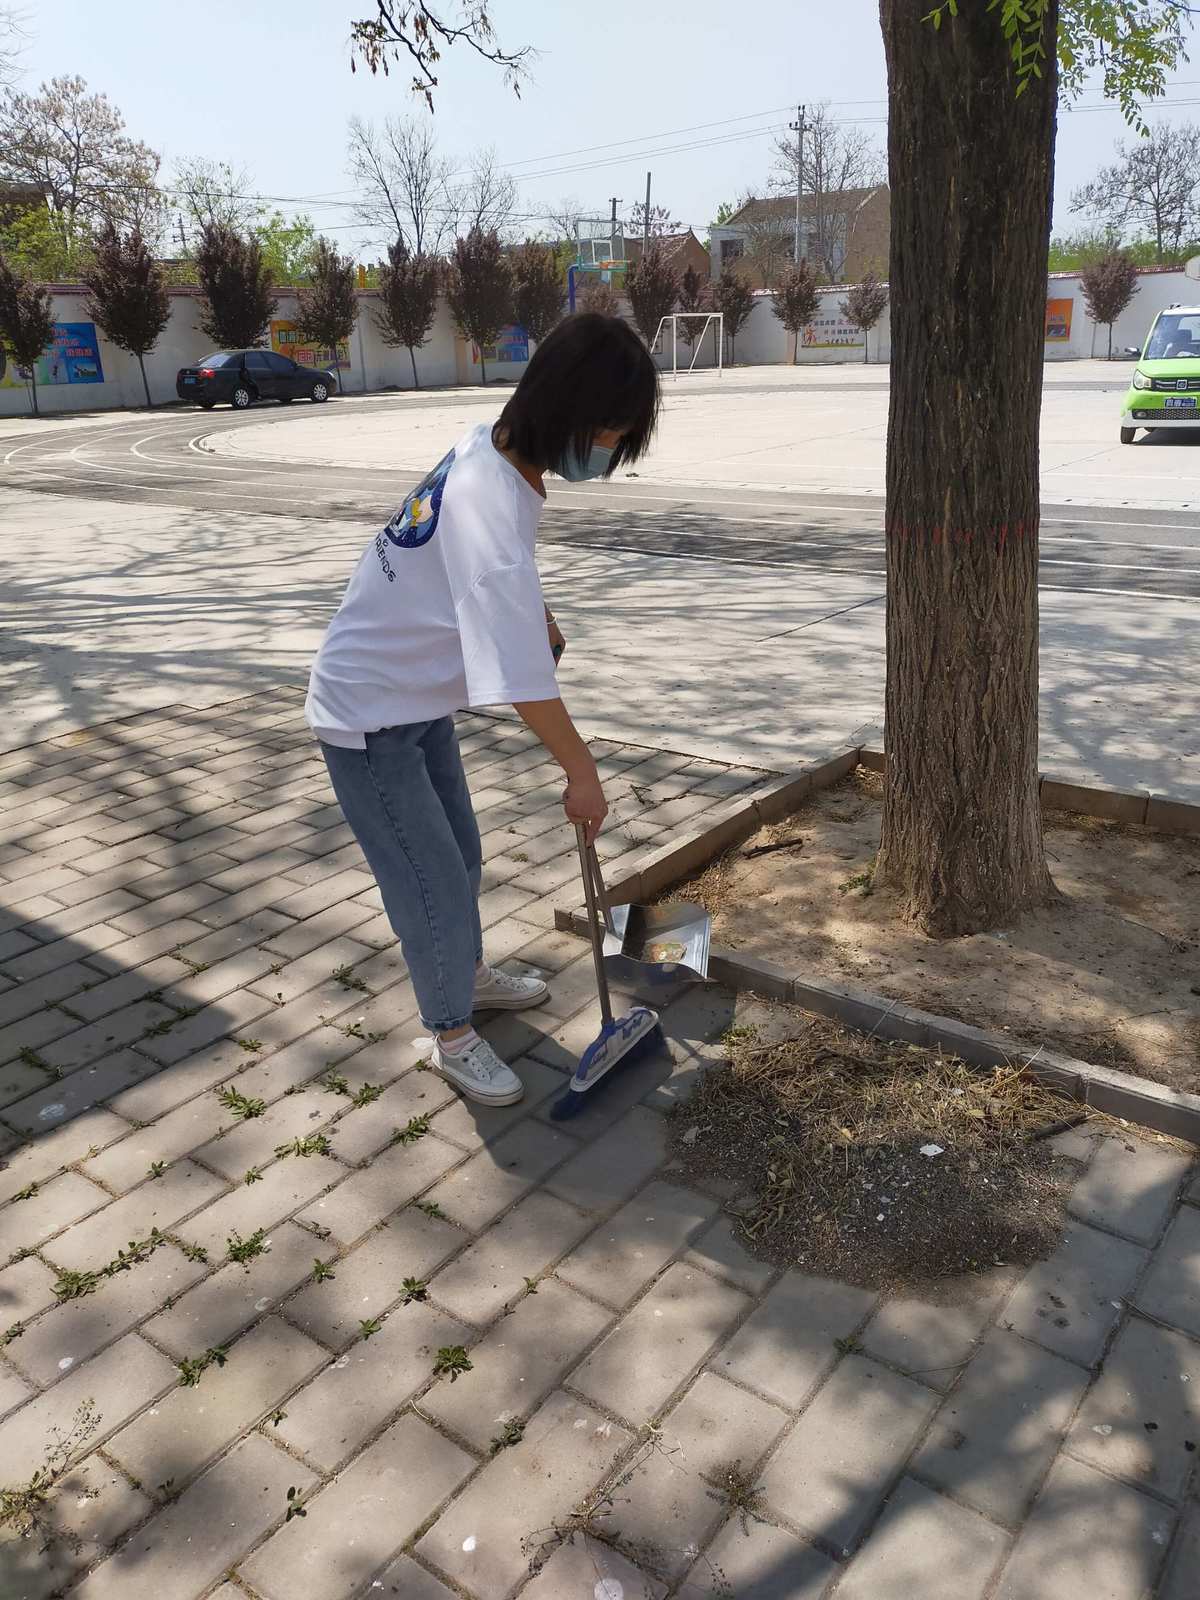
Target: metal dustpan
[655, 952]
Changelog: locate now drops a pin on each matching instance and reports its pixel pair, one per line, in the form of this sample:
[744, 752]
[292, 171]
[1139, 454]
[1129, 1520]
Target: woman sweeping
[444, 612]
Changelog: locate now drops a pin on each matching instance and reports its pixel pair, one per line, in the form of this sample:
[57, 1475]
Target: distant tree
[652, 285]
[662, 222]
[328, 307]
[402, 181]
[237, 303]
[1069, 252]
[13, 39]
[539, 295]
[694, 297]
[39, 246]
[485, 200]
[1154, 184]
[26, 323]
[599, 297]
[797, 301]
[210, 192]
[838, 156]
[412, 33]
[408, 285]
[288, 246]
[1108, 286]
[768, 244]
[127, 295]
[864, 305]
[734, 299]
[73, 146]
[479, 287]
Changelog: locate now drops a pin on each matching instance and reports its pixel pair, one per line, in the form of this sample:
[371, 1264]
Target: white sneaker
[501, 991]
[479, 1073]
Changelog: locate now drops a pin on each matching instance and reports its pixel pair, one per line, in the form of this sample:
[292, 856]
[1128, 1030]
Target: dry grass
[825, 1128]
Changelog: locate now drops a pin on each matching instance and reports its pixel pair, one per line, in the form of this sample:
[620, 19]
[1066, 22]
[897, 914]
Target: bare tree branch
[13, 38]
[402, 181]
[412, 29]
[212, 193]
[837, 158]
[487, 199]
[1154, 185]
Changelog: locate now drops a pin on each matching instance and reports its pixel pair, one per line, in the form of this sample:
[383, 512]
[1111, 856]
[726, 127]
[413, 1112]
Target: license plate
[189, 380]
[1181, 404]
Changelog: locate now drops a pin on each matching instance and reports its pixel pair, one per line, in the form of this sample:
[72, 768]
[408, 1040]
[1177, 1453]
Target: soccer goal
[668, 327]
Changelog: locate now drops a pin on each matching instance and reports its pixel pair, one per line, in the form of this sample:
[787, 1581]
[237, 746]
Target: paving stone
[43, 958]
[847, 1450]
[88, 1509]
[720, 1250]
[35, 1034]
[1129, 1188]
[282, 1190]
[187, 1546]
[158, 1203]
[369, 1279]
[292, 940]
[1087, 1535]
[404, 1578]
[26, 1288]
[633, 1246]
[480, 1539]
[216, 1311]
[154, 979]
[496, 1177]
[55, 1204]
[18, 1080]
[363, 1131]
[73, 1332]
[522, 1358]
[116, 1384]
[111, 1033]
[472, 1126]
[355, 1524]
[665, 1503]
[1172, 1286]
[125, 1164]
[1180, 1582]
[787, 1345]
[652, 1351]
[925, 1545]
[1147, 1399]
[587, 1567]
[78, 1092]
[177, 1437]
[608, 1169]
[252, 1142]
[234, 1014]
[492, 1271]
[367, 1196]
[998, 1432]
[758, 1561]
[1070, 1303]
[33, 995]
[39, 1159]
[930, 1338]
[371, 1380]
[309, 971]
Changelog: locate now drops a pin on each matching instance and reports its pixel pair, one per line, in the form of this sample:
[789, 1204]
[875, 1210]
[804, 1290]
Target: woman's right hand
[583, 800]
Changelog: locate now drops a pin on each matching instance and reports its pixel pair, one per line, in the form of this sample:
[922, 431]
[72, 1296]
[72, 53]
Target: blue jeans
[406, 798]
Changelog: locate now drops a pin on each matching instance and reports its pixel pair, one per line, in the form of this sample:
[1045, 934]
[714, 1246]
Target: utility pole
[797, 128]
[612, 230]
[646, 219]
[182, 235]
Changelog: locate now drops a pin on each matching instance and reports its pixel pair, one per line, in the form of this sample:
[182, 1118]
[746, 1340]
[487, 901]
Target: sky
[616, 90]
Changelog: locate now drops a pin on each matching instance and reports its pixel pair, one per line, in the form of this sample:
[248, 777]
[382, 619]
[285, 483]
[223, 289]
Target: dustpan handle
[596, 897]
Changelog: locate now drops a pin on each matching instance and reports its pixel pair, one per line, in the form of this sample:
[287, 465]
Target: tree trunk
[33, 388]
[482, 367]
[145, 383]
[1110, 328]
[866, 346]
[971, 177]
[412, 356]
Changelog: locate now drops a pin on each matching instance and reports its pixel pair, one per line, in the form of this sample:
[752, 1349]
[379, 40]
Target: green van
[1165, 391]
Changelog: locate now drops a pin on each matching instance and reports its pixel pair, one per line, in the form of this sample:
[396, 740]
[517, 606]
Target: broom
[621, 1040]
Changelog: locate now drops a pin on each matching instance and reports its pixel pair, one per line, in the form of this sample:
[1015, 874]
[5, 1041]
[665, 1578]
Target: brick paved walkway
[205, 1030]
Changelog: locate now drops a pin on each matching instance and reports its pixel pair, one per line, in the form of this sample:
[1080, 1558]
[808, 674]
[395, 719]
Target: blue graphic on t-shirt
[415, 523]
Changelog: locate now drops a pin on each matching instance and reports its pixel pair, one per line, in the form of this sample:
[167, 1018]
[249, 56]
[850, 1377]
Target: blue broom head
[626, 1039]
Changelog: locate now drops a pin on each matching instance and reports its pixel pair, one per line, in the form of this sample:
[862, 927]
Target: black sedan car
[241, 377]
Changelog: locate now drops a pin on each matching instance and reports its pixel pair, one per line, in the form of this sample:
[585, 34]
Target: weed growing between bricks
[23, 1507]
[885, 1165]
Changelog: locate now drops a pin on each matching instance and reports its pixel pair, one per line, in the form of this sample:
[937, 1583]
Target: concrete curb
[1120, 1094]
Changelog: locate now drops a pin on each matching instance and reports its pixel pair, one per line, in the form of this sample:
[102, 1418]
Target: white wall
[765, 341]
[1156, 291]
[445, 359]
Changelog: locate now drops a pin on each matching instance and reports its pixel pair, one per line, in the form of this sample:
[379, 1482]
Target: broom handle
[596, 898]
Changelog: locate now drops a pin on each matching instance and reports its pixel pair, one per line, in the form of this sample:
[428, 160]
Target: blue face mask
[575, 469]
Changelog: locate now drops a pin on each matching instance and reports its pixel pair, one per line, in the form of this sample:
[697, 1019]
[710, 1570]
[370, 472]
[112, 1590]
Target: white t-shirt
[445, 608]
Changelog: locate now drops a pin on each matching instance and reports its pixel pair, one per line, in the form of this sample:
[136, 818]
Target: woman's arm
[584, 799]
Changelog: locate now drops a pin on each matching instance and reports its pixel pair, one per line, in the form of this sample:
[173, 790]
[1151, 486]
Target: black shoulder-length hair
[591, 373]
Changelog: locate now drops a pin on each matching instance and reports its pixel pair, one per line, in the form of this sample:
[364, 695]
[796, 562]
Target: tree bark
[145, 381]
[971, 179]
[33, 387]
[412, 356]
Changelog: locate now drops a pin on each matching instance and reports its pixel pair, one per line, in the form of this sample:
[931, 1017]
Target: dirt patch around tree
[1110, 974]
